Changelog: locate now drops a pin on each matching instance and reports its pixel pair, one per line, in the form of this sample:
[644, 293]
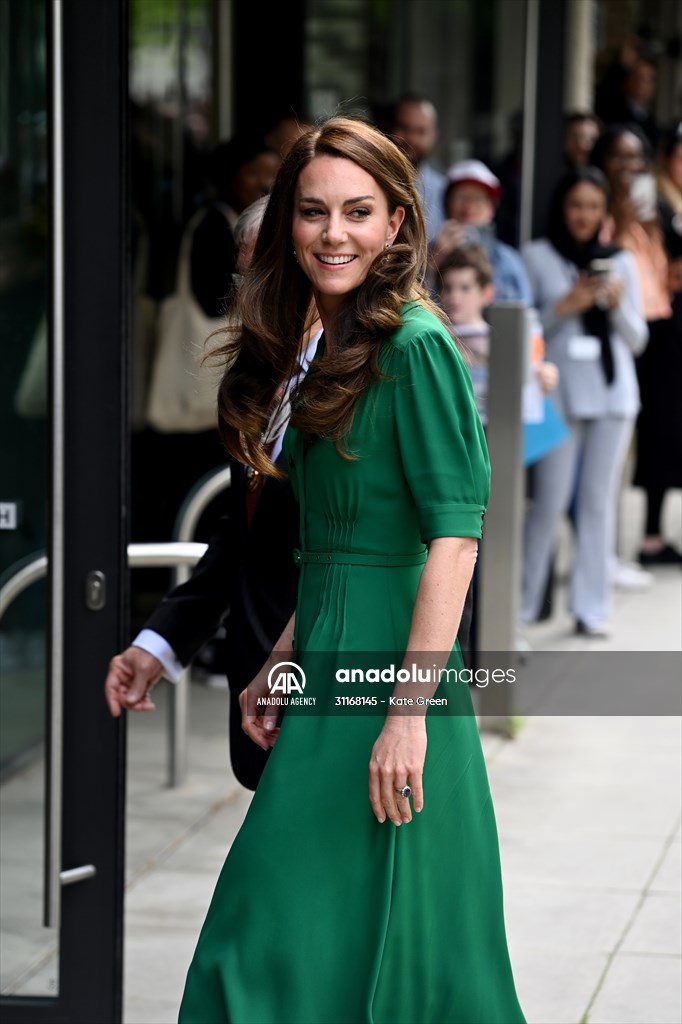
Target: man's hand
[131, 676]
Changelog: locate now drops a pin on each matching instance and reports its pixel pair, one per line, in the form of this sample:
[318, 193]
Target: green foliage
[154, 22]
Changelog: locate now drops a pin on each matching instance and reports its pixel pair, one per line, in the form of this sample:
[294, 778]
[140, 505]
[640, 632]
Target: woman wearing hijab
[588, 299]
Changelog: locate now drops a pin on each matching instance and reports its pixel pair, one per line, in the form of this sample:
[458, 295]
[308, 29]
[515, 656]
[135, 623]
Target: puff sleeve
[440, 436]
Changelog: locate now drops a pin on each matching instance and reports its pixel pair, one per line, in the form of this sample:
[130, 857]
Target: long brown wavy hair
[274, 303]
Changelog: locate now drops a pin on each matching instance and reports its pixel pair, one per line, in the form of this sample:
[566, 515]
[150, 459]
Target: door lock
[95, 591]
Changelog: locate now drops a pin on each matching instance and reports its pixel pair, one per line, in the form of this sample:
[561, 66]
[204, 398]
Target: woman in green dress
[364, 885]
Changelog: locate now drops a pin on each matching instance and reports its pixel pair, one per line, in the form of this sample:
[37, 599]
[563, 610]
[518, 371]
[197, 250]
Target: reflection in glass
[172, 115]
[28, 951]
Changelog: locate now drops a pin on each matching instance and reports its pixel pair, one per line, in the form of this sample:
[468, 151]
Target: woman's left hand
[397, 760]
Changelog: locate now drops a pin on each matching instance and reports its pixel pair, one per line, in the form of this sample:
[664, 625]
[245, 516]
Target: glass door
[29, 951]
[62, 524]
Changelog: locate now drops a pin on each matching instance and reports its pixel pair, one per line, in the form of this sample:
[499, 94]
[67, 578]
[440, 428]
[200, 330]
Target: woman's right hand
[582, 296]
[259, 721]
[397, 760]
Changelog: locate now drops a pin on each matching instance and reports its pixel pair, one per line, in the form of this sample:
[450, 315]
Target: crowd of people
[605, 280]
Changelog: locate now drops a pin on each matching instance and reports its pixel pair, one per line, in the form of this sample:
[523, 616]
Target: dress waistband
[356, 558]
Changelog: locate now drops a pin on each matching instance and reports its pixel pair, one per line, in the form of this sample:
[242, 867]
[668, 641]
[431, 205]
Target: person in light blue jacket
[472, 193]
[587, 295]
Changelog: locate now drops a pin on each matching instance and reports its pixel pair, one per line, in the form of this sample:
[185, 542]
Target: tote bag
[183, 392]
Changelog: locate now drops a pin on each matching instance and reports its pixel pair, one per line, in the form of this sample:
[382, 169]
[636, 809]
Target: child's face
[462, 296]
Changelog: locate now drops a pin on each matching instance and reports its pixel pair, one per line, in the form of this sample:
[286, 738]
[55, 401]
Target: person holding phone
[588, 300]
[470, 200]
[622, 153]
[658, 467]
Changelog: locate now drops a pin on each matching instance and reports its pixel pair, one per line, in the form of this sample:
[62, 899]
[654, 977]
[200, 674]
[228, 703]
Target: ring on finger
[404, 791]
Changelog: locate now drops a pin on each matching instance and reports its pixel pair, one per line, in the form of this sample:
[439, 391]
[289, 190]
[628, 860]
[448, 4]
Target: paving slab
[657, 927]
[556, 990]
[207, 848]
[156, 963]
[669, 876]
[151, 1012]
[581, 814]
[640, 990]
[171, 898]
[552, 919]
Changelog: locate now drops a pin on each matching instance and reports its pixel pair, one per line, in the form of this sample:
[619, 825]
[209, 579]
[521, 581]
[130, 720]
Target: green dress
[321, 915]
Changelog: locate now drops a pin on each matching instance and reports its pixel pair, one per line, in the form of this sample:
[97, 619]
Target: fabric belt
[356, 558]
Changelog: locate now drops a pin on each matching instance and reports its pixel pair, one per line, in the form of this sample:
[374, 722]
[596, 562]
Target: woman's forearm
[285, 643]
[628, 316]
[436, 615]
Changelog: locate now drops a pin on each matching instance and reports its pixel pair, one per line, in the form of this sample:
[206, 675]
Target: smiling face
[584, 211]
[624, 160]
[341, 223]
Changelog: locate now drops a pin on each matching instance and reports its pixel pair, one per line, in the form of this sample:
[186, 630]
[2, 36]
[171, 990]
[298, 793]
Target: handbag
[183, 389]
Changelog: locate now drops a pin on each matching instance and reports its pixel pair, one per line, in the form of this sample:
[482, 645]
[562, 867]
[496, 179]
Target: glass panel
[28, 951]
[172, 114]
[467, 57]
[338, 46]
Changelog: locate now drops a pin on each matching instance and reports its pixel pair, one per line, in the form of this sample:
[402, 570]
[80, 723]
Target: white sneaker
[628, 576]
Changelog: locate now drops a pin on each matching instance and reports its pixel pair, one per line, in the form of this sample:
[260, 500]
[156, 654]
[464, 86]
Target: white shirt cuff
[154, 644]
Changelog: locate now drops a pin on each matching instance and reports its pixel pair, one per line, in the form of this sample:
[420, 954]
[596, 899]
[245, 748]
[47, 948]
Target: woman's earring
[294, 251]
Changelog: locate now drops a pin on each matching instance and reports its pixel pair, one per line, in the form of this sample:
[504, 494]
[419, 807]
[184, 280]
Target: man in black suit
[248, 568]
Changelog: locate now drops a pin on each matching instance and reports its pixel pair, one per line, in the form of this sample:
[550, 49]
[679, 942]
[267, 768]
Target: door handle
[73, 875]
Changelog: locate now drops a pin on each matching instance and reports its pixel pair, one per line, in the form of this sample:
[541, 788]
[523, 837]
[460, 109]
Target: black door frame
[95, 62]
[94, 227]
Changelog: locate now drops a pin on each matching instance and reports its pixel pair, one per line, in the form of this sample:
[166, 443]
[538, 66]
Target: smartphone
[643, 196]
[597, 268]
[472, 235]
